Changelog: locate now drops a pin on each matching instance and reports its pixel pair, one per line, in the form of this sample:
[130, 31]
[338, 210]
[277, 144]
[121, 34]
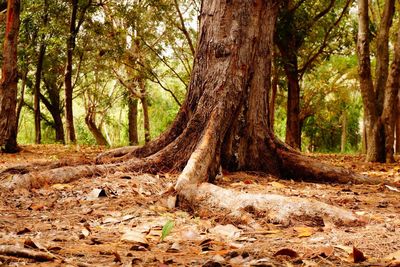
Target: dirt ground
[124, 219]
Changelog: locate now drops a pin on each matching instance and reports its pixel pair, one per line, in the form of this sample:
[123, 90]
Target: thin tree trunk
[9, 80]
[97, 134]
[145, 107]
[274, 90]
[344, 132]
[132, 121]
[36, 90]
[69, 116]
[21, 100]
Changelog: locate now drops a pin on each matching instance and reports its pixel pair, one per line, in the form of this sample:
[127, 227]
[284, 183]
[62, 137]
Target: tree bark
[397, 116]
[344, 132]
[132, 121]
[145, 107]
[373, 97]
[36, 91]
[69, 116]
[390, 101]
[9, 80]
[96, 132]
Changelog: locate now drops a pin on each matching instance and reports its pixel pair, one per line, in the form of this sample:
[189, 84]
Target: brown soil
[121, 223]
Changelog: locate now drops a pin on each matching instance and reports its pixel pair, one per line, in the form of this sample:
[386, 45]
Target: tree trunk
[397, 116]
[390, 102]
[36, 91]
[344, 132]
[293, 131]
[20, 103]
[69, 116]
[274, 90]
[97, 134]
[132, 121]
[145, 107]
[375, 151]
[9, 80]
[373, 97]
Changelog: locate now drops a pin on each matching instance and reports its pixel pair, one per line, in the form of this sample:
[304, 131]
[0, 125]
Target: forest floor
[119, 220]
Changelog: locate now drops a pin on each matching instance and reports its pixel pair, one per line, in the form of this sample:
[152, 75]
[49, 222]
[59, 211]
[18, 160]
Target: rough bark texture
[390, 102]
[9, 80]
[373, 97]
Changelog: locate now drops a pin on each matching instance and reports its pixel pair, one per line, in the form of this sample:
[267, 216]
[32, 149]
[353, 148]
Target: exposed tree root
[277, 209]
[58, 176]
[15, 251]
[115, 153]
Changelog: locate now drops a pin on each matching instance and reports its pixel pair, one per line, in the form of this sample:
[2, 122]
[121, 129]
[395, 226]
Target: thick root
[277, 209]
[58, 176]
[298, 166]
[115, 154]
[15, 251]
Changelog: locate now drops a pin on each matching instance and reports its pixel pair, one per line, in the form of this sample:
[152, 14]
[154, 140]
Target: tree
[223, 123]
[76, 21]
[9, 80]
[302, 36]
[379, 98]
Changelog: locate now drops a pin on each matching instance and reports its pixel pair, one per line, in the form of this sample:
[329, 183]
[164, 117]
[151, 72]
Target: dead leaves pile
[126, 219]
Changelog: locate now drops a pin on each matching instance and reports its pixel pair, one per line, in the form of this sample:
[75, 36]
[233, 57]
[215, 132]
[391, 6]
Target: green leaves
[166, 230]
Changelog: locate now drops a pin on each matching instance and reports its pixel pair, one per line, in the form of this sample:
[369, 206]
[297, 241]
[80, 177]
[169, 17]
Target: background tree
[303, 35]
[9, 80]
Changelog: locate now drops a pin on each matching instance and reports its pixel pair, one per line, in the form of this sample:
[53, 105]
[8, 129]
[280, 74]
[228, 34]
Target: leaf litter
[131, 219]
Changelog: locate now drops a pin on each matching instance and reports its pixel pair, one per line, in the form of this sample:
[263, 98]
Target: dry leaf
[304, 231]
[226, 231]
[357, 255]
[286, 252]
[135, 237]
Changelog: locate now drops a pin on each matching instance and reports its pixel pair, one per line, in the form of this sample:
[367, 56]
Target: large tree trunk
[397, 116]
[145, 108]
[132, 121]
[9, 80]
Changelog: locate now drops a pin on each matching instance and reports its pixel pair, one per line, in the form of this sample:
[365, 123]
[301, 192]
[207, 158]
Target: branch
[324, 12]
[124, 84]
[165, 62]
[297, 6]
[183, 28]
[325, 41]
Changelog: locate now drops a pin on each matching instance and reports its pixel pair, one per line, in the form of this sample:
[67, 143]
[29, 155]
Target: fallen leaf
[135, 237]
[287, 252]
[175, 247]
[226, 231]
[171, 202]
[24, 231]
[357, 255]
[303, 231]
[96, 193]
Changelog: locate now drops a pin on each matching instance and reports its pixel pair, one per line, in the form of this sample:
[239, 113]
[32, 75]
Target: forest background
[131, 64]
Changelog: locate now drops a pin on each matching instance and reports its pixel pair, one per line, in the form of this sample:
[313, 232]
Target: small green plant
[166, 230]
